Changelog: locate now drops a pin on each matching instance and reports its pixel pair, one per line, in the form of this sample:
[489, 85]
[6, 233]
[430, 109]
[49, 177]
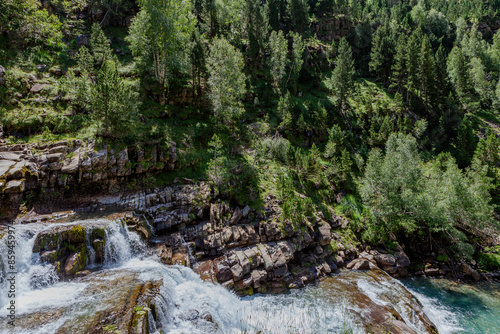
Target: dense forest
[383, 111]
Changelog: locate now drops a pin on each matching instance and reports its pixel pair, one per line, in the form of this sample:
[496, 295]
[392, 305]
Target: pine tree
[442, 80]
[276, 13]
[278, 60]
[197, 60]
[299, 15]
[297, 59]
[226, 80]
[459, 72]
[465, 143]
[99, 45]
[426, 74]
[413, 50]
[343, 74]
[113, 102]
[382, 53]
[256, 29]
[399, 75]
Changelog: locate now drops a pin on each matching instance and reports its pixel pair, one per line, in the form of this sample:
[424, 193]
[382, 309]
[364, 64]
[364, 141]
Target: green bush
[488, 261]
[277, 148]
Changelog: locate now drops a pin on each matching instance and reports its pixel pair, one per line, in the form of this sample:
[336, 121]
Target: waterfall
[30, 272]
[183, 303]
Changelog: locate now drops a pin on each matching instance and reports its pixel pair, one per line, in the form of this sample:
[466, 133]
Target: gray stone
[468, 270]
[71, 167]
[5, 166]
[243, 261]
[15, 187]
[237, 271]
[359, 264]
[268, 262]
[325, 234]
[237, 215]
[385, 259]
[38, 88]
[245, 211]
[55, 157]
[100, 159]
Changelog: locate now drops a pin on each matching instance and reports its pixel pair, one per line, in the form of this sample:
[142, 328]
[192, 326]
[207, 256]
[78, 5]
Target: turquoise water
[459, 307]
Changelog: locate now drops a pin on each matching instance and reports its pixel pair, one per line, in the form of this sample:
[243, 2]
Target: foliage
[278, 60]
[404, 194]
[226, 81]
[113, 101]
[342, 77]
[158, 38]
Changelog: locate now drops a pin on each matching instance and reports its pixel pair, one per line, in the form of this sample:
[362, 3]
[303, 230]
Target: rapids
[181, 302]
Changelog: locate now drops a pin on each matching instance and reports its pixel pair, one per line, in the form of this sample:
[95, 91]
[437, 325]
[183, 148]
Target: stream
[183, 303]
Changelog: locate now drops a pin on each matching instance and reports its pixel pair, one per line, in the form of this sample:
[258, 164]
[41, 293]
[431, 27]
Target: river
[347, 302]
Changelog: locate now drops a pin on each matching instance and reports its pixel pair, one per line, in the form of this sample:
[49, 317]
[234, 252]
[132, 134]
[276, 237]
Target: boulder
[468, 270]
[237, 215]
[431, 272]
[385, 259]
[324, 234]
[75, 263]
[359, 264]
[15, 187]
[245, 211]
[37, 88]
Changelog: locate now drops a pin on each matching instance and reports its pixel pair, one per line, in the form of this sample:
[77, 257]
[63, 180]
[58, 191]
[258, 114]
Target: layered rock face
[28, 169]
[243, 249]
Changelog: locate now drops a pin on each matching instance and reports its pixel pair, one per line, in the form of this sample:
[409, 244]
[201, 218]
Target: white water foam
[445, 320]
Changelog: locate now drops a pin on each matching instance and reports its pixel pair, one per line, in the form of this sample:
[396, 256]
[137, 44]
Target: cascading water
[30, 272]
[185, 303]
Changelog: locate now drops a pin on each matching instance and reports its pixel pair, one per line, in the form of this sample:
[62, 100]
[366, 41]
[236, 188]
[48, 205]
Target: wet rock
[431, 272]
[359, 264]
[237, 272]
[49, 256]
[223, 271]
[82, 273]
[74, 263]
[258, 277]
[385, 259]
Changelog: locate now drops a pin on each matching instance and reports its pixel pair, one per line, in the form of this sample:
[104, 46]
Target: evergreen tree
[299, 15]
[256, 29]
[99, 45]
[442, 81]
[465, 143]
[278, 60]
[197, 60]
[479, 80]
[399, 71]
[413, 49]
[459, 72]
[158, 38]
[276, 13]
[226, 80]
[426, 74]
[297, 59]
[343, 74]
[114, 103]
[382, 53]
